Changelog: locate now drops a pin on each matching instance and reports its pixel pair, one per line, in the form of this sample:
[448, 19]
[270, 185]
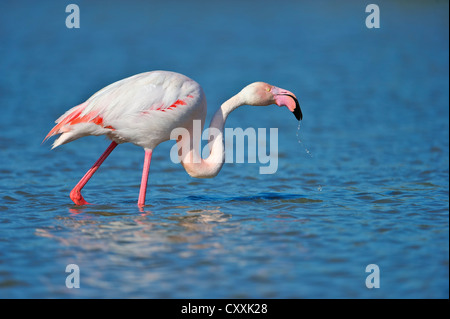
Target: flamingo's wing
[107, 109]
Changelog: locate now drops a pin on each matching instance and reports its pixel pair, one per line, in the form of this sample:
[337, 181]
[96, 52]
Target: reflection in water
[142, 234]
[104, 226]
[154, 247]
[148, 248]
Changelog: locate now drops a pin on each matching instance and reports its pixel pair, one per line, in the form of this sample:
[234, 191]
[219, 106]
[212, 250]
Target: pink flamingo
[144, 109]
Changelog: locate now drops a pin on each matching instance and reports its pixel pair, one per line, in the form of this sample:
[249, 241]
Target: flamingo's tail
[62, 125]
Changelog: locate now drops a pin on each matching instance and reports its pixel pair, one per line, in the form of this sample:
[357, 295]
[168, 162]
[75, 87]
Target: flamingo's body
[145, 108]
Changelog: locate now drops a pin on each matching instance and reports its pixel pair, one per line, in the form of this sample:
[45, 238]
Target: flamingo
[145, 108]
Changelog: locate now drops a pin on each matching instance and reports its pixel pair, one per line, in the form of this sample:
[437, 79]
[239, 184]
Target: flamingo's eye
[268, 89]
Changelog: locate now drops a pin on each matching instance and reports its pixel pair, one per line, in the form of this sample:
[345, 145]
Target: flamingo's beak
[286, 98]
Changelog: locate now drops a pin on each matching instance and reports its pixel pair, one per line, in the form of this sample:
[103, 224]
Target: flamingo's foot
[75, 196]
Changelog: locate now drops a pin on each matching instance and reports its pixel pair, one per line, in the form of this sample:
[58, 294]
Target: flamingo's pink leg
[143, 190]
[75, 194]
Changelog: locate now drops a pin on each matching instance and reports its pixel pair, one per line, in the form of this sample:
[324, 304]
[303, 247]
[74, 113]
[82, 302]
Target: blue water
[364, 181]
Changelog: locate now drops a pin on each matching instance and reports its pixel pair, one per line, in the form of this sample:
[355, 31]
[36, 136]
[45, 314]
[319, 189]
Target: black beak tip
[298, 111]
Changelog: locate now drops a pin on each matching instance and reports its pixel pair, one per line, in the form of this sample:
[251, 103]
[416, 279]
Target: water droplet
[300, 141]
[319, 188]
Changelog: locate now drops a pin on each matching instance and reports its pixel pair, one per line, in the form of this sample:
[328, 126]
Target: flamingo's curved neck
[210, 166]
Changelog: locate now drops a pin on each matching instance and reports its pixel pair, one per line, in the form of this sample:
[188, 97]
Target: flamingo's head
[261, 94]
